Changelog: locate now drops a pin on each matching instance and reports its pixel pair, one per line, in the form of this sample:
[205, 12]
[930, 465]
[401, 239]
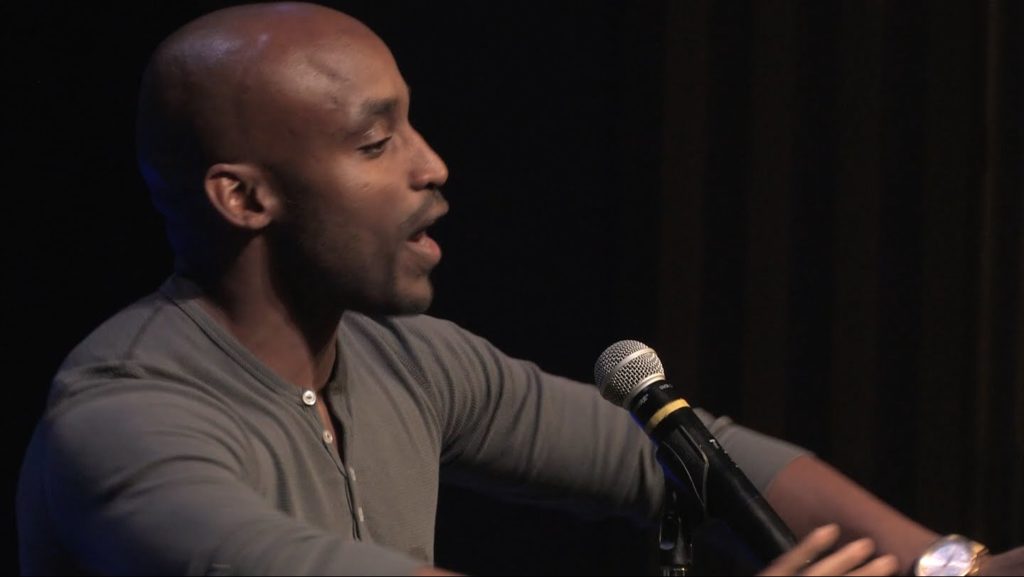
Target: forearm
[808, 493]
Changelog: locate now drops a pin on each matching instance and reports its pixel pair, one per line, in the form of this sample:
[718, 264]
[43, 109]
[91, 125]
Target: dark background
[811, 210]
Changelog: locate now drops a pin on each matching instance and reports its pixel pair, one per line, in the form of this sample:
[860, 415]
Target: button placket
[309, 399]
[349, 473]
[353, 484]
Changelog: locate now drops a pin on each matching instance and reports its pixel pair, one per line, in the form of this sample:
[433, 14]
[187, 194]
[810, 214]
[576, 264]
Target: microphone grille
[623, 367]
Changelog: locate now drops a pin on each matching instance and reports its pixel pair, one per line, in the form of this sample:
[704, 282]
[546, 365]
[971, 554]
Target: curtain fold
[841, 254]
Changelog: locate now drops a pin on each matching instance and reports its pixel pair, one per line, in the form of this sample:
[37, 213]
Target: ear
[242, 195]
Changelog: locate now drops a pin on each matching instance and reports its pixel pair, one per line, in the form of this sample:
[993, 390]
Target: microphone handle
[697, 465]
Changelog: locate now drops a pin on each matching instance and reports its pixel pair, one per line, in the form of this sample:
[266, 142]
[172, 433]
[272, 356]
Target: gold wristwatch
[951, 555]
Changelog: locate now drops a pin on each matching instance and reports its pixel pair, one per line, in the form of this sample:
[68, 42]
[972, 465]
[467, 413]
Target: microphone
[630, 375]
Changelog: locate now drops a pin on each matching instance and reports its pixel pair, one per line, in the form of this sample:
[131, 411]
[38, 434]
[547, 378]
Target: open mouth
[418, 235]
[427, 249]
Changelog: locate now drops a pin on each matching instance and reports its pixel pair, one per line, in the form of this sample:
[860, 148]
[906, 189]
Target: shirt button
[328, 437]
[309, 397]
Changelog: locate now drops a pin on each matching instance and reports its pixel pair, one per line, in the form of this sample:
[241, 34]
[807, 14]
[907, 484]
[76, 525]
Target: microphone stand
[675, 537]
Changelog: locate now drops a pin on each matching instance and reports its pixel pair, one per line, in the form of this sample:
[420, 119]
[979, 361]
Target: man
[277, 407]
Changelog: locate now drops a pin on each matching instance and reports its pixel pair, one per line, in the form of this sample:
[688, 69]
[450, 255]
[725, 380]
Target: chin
[416, 300]
[401, 302]
[414, 306]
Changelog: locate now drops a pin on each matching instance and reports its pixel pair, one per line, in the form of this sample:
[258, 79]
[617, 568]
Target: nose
[428, 169]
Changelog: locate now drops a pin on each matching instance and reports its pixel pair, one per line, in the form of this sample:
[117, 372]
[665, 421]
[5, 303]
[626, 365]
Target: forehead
[341, 77]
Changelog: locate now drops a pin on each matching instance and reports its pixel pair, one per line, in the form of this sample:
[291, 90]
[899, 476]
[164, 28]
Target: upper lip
[440, 209]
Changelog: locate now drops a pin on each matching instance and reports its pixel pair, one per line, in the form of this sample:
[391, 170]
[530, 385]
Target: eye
[375, 149]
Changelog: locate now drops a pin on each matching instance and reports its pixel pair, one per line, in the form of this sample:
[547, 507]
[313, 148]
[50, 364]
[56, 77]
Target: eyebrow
[375, 108]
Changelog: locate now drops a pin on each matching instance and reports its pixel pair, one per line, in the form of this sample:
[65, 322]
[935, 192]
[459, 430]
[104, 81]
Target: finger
[843, 560]
[818, 541]
[885, 565]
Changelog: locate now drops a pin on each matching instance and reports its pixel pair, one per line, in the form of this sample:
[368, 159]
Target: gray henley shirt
[166, 447]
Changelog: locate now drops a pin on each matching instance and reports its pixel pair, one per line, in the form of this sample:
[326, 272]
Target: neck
[285, 330]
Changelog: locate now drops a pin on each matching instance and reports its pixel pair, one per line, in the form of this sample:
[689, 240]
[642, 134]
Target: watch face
[951, 558]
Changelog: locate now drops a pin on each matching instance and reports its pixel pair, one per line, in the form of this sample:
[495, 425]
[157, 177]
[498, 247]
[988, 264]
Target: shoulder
[397, 327]
[137, 380]
[416, 336]
[157, 346]
[152, 330]
[122, 333]
[439, 353]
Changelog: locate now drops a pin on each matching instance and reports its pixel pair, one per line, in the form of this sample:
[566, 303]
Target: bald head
[243, 85]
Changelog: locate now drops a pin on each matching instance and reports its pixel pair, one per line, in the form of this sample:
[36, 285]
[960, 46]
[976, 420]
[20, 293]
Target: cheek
[352, 195]
[357, 236]
[374, 214]
[349, 202]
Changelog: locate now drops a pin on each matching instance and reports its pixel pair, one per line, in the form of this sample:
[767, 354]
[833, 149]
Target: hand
[846, 561]
[1008, 563]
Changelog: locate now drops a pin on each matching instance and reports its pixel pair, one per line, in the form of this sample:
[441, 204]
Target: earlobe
[236, 192]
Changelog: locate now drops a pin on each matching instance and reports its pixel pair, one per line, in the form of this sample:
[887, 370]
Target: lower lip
[426, 247]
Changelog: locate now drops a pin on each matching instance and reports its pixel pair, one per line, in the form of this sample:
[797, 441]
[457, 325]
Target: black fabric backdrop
[812, 210]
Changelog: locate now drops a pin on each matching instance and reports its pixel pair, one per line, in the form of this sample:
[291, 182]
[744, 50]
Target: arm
[808, 493]
[509, 428]
[148, 478]
[1009, 563]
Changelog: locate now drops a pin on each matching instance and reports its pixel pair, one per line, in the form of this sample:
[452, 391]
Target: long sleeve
[149, 478]
[508, 425]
